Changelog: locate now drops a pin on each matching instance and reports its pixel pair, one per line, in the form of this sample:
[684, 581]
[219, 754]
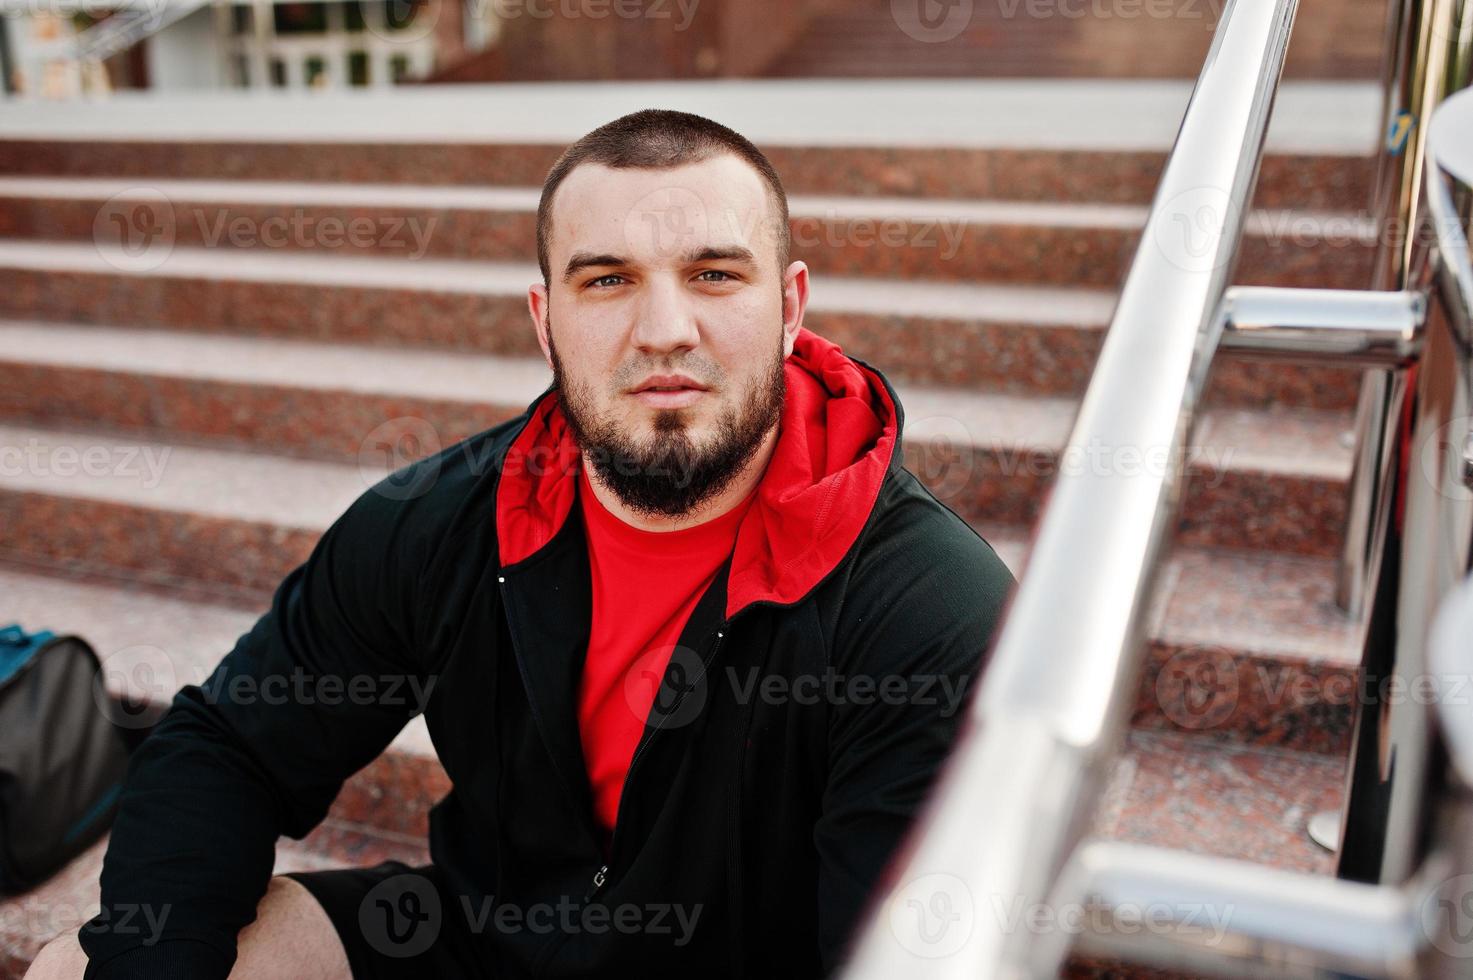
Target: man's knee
[290, 931]
[61, 959]
[291, 935]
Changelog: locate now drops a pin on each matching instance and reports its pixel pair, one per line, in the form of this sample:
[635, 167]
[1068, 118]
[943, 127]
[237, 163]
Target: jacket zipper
[601, 876]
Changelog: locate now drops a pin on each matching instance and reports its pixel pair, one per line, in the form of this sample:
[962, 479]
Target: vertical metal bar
[1382, 811]
[1414, 79]
[7, 58]
[1017, 794]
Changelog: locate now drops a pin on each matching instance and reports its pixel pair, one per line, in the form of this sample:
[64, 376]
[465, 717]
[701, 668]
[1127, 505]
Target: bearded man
[696, 641]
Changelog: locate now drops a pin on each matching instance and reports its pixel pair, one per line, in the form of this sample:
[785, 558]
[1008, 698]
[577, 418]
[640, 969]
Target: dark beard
[669, 477]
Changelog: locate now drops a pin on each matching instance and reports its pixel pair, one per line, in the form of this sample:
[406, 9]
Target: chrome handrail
[1014, 799]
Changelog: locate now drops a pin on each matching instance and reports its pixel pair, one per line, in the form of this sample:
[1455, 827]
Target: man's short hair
[659, 139]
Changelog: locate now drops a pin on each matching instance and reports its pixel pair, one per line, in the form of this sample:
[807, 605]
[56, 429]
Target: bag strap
[17, 646]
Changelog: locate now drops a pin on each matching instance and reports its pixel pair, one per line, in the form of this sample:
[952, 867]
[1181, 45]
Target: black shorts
[396, 921]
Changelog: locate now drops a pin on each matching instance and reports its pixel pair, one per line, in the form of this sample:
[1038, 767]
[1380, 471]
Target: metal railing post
[1424, 63]
[1017, 793]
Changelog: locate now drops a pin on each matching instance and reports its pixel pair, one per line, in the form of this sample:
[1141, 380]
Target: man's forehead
[721, 201]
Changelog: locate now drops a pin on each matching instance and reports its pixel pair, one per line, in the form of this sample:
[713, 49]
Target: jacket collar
[840, 432]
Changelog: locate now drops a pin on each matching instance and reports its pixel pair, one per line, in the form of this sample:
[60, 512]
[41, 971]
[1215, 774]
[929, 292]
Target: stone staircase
[233, 393]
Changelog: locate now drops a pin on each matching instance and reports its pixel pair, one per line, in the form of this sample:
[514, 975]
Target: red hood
[839, 432]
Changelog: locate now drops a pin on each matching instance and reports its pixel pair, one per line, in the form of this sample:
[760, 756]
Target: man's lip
[668, 381]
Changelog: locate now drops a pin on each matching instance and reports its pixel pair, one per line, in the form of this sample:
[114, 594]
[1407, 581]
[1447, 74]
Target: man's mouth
[669, 391]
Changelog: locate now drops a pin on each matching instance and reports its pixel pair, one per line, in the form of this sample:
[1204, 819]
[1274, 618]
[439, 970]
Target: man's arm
[262, 748]
[924, 609]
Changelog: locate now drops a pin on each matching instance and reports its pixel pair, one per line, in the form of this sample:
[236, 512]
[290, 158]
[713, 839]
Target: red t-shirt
[645, 584]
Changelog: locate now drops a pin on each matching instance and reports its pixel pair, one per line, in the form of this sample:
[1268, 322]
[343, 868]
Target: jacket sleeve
[313, 692]
[923, 607]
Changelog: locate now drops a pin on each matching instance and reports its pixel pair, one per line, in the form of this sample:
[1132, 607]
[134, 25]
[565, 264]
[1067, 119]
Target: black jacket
[815, 691]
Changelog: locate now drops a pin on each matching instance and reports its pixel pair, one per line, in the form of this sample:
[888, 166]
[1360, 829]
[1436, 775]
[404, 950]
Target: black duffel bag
[61, 757]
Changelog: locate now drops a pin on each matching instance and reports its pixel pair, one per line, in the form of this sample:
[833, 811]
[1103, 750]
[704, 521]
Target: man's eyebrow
[705, 253]
[583, 260]
[711, 253]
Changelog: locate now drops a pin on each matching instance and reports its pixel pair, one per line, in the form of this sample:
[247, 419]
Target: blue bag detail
[17, 646]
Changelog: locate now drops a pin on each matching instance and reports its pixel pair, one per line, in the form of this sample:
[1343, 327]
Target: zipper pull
[599, 877]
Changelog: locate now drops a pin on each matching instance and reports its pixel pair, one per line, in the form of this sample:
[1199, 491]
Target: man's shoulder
[921, 577]
[420, 504]
[914, 534]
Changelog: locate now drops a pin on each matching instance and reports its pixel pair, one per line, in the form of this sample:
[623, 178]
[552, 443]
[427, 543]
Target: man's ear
[795, 301]
[537, 305]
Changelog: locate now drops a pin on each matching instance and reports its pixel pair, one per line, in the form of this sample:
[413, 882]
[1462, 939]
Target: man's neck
[709, 509]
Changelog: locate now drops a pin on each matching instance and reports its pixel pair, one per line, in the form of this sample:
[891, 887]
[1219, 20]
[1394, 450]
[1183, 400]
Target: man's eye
[716, 272]
[604, 280]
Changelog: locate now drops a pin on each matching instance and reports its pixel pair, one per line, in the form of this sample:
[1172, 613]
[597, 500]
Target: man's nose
[666, 319]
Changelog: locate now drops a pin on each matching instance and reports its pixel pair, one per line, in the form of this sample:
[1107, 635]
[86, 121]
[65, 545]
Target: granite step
[1271, 480]
[1094, 140]
[1194, 789]
[1203, 797]
[1023, 339]
[1169, 791]
[1127, 176]
[1248, 649]
[153, 640]
[71, 896]
[1075, 244]
[1246, 645]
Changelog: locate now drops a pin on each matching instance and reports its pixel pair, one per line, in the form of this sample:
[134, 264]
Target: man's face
[666, 324]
